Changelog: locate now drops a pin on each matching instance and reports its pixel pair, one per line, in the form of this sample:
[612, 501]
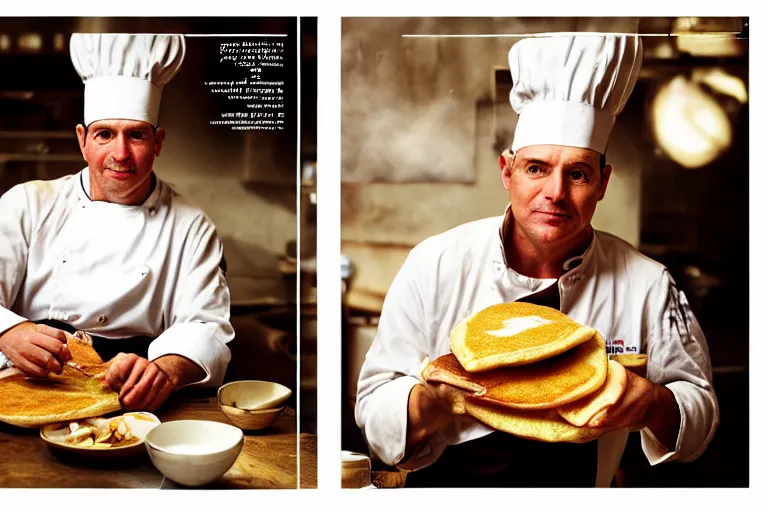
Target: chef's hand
[36, 350]
[430, 409]
[643, 404]
[144, 385]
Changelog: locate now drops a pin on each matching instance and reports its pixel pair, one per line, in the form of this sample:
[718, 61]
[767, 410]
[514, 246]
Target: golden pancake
[75, 394]
[545, 426]
[631, 360]
[579, 413]
[558, 380]
[82, 350]
[513, 334]
[636, 363]
[27, 402]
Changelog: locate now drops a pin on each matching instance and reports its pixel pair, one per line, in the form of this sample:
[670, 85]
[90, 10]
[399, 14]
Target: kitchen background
[425, 118]
[246, 181]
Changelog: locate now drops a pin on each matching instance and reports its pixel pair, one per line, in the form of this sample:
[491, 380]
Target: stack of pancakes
[530, 371]
[75, 394]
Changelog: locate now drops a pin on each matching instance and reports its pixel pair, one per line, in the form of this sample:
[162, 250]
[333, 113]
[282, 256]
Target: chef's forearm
[180, 370]
[664, 419]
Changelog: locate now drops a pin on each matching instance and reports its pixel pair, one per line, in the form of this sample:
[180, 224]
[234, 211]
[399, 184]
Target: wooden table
[268, 459]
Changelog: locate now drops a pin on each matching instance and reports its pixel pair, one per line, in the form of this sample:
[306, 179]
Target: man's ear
[606, 175]
[506, 171]
[159, 139]
[80, 131]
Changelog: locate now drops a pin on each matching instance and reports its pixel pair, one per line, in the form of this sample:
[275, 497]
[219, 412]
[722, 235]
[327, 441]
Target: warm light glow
[30, 42]
[709, 45]
[690, 126]
[722, 82]
[58, 42]
[5, 42]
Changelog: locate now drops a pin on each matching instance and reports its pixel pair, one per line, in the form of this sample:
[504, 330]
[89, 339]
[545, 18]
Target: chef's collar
[84, 192]
[574, 264]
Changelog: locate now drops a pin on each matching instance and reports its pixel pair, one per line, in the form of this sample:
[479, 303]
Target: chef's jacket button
[103, 320]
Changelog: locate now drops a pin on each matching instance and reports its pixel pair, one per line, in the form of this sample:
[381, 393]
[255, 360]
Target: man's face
[120, 155]
[553, 191]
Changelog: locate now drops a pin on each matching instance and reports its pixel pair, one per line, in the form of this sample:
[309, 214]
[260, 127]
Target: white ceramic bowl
[355, 470]
[194, 452]
[253, 394]
[252, 420]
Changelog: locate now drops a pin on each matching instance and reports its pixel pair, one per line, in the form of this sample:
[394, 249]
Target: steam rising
[407, 110]
[409, 104]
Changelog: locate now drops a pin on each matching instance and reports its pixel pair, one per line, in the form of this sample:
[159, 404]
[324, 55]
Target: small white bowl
[252, 420]
[194, 452]
[253, 395]
[355, 470]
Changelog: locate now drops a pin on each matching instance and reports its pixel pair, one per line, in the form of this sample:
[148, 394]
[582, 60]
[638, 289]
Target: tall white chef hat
[569, 88]
[124, 74]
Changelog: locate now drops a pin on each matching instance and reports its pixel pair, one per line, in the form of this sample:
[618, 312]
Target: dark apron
[105, 347]
[503, 460]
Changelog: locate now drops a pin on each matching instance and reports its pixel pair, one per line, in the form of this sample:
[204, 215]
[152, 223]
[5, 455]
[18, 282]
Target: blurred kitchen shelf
[261, 301]
[38, 70]
[258, 184]
[287, 265]
[29, 134]
[271, 302]
[730, 369]
[309, 384]
[27, 157]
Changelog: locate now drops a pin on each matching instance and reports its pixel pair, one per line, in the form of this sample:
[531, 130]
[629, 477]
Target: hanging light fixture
[689, 124]
[721, 82]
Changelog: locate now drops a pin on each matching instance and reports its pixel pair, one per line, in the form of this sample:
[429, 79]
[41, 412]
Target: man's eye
[534, 169]
[103, 134]
[579, 176]
[138, 135]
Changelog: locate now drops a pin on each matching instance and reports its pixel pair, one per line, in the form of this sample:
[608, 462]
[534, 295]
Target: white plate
[139, 423]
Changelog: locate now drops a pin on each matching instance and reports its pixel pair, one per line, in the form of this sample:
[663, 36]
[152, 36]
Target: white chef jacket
[116, 271]
[629, 298]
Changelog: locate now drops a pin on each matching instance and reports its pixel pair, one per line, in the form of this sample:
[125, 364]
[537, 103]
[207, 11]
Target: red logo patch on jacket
[618, 346]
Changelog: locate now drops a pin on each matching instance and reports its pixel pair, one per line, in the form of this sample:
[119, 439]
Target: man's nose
[555, 188]
[120, 149]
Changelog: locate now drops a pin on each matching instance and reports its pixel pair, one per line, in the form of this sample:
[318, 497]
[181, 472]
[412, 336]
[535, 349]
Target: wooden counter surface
[268, 459]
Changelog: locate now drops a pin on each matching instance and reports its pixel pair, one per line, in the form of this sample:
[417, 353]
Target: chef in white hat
[113, 250]
[568, 90]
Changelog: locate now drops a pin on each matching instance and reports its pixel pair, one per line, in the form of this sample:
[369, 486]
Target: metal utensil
[76, 367]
